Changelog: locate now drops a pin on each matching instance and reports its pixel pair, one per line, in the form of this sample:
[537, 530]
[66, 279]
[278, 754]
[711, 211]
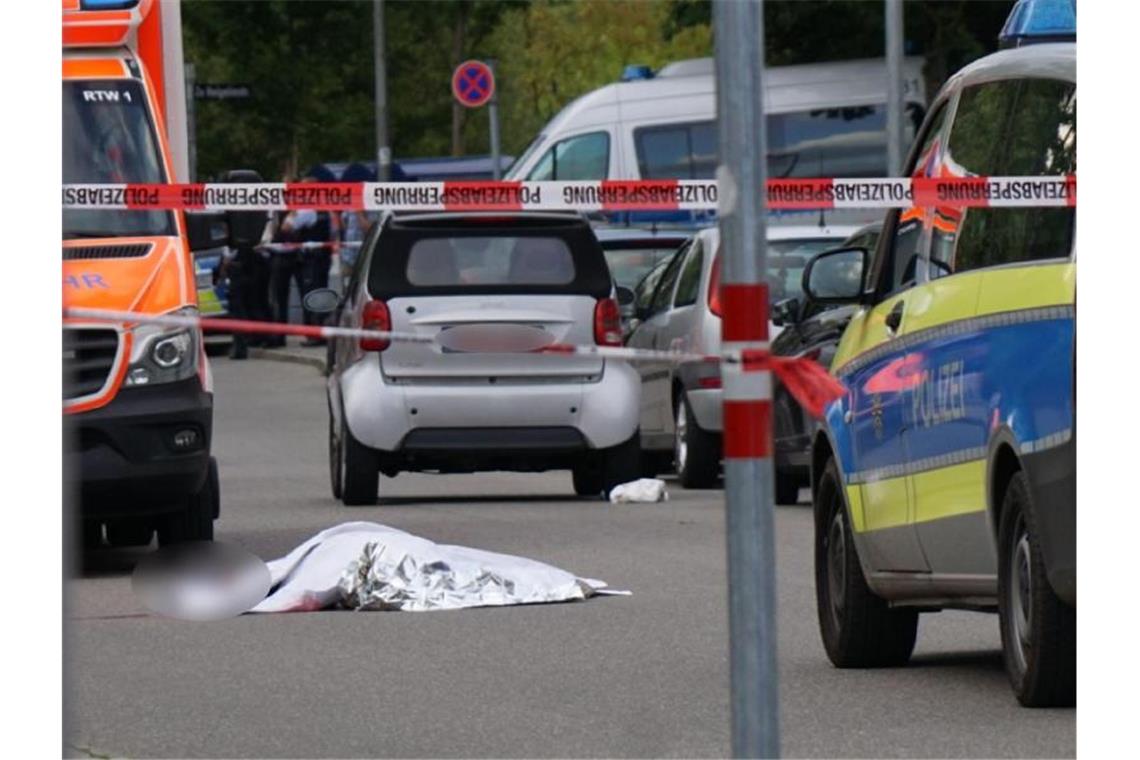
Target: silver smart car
[489, 291]
[681, 404]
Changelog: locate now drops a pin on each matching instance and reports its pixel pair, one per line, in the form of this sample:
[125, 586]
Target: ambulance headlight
[170, 352]
[163, 354]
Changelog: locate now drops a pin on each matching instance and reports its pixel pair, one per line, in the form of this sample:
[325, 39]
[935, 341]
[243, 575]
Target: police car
[946, 477]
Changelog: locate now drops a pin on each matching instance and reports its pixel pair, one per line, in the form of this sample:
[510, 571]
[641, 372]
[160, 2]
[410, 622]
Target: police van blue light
[1033, 21]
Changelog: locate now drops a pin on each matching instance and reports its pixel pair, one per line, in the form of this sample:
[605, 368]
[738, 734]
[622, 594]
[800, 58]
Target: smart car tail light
[607, 322]
[375, 317]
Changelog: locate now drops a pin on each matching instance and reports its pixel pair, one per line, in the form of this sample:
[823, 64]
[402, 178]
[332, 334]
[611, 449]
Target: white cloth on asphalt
[368, 566]
[643, 489]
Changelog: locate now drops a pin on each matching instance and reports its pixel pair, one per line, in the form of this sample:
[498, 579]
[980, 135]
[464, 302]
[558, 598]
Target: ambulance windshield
[108, 137]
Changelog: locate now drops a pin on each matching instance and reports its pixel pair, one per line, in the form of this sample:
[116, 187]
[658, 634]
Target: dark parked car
[813, 330]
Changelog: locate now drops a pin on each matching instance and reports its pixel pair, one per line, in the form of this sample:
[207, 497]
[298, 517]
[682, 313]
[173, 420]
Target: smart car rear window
[468, 256]
[482, 261]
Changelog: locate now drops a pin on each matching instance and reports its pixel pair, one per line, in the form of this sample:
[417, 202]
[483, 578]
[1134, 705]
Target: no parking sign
[473, 83]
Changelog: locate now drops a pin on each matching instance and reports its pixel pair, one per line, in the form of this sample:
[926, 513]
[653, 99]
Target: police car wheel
[196, 521]
[336, 460]
[695, 451]
[858, 628]
[1038, 630]
[361, 474]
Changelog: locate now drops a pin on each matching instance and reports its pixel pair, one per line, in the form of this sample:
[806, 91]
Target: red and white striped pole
[748, 472]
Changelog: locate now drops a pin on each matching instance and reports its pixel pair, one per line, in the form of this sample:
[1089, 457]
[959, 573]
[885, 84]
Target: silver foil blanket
[367, 566]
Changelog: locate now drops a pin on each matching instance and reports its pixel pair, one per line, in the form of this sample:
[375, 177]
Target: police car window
[579, 157]
[906, 246]
[1038, 138]
[664, 293]
[690, 280]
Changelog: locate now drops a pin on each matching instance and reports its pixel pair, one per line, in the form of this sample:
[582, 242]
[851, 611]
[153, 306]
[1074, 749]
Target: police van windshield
[108, 137]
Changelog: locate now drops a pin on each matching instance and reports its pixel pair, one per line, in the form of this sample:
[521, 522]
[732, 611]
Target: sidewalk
[294, 352]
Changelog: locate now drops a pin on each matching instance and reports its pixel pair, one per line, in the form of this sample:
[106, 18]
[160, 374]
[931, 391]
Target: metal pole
[493, 114]
[383, 151]
[191, 126]
[894, 42]
[739, 35]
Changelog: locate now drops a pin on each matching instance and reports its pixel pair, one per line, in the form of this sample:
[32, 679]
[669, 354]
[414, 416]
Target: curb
[285, 355]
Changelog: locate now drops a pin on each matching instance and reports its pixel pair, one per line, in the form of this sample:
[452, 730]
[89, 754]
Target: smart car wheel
[588, 480]
[858, 629]
[695, 451]
[196, 521]
[361, 473]
[621, 463]
[1038, 630]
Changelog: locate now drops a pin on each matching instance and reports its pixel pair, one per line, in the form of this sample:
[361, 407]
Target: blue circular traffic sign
[473, 84]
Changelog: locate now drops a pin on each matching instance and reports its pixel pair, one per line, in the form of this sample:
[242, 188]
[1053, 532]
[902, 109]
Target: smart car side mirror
[836, 276]
[321, 301]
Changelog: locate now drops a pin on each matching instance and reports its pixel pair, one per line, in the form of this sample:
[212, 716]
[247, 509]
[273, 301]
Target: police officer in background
[313, 230]
[243, 265]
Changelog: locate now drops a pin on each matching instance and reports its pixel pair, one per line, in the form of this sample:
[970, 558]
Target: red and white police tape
[743, 362]
[606, 195]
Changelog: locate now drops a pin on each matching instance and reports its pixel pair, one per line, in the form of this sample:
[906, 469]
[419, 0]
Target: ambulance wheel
[360, 476]
[696, 452]
[121, 533]
[336, 460]
[858, 629]
[196, 521]
[1038, 630]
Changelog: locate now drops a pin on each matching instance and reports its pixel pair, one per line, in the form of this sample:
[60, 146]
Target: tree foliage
[310, 64]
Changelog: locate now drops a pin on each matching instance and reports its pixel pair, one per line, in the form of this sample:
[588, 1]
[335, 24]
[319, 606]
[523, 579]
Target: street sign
[222, 91]
[473, 83]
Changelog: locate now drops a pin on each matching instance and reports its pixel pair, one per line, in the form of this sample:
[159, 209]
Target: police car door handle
[894, 318]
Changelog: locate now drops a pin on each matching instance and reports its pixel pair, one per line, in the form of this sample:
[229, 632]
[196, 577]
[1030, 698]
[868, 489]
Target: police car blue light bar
[1033, 21]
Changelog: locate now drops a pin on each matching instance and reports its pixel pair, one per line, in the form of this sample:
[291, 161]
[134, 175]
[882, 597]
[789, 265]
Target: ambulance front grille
[88, 359]
[124, 251]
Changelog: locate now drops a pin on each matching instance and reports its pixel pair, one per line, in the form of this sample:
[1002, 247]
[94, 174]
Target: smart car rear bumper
[381, 413]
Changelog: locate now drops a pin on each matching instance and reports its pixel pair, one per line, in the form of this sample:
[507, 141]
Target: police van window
[1037, 138]
[690, 281]
[579, 157]
[906, 243]
[664, 293]
[677, 151]
[109, 138]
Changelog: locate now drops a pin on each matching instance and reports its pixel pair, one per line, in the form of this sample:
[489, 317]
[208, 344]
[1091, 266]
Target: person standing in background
[314, 228]
[355, 225]
[284, 268]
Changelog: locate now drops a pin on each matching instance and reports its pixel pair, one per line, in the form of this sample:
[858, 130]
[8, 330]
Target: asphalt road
[645, 675]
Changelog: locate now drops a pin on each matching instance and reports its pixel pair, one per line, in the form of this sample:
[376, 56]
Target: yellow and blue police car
[946, 477]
